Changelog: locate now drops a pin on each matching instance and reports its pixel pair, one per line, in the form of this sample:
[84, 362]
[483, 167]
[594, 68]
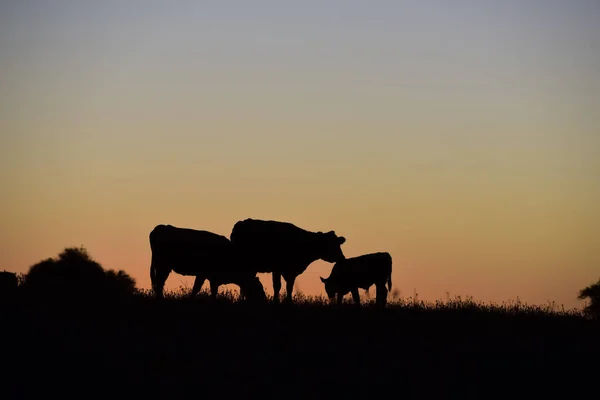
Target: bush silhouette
[120, 282]
[8, 284]
[75, 273]
[591, 292]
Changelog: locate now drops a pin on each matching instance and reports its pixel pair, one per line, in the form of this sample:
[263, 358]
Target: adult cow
[360, 272]
[205, 255]
[283, 249]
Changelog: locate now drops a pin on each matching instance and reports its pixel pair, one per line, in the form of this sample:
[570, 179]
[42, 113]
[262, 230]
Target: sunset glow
[460, 137]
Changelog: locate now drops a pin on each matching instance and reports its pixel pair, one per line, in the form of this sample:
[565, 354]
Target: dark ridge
[182, 347]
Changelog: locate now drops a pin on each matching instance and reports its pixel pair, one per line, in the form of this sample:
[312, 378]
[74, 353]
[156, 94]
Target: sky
[461, 137]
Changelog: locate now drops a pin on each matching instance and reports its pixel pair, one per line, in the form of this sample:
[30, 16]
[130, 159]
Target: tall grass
[395, 303]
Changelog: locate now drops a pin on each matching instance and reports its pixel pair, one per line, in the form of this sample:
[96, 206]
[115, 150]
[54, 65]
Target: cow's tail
[389, 281]
[156, 277]
[153, 275]
[151, 238]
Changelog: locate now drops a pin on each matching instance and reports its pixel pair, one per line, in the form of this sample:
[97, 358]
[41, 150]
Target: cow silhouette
[283, 249]
[350, 274]
[203, 254]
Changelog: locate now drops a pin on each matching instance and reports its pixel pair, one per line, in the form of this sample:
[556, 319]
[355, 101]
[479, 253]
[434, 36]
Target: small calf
[350, 274]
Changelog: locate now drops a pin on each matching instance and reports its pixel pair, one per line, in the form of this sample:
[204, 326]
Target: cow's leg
[355, 296]
[289, 287]
[159, 275]
[197, 285]
[214, 289]
[381, 299]
[276, 286]
[340, 297]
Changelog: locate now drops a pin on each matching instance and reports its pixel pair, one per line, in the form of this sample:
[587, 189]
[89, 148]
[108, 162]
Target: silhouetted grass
[510, 308]
[182, 347]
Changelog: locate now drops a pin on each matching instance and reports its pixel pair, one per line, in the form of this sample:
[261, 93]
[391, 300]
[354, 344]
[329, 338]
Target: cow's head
[330, 246]
[330, 287]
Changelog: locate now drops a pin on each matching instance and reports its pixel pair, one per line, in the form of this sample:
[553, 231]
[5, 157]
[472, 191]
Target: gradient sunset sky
[463, 137]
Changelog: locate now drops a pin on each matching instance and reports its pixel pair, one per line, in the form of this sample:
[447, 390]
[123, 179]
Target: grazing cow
[202, 254]
[360, 272]
[283, 249]
[8, 284]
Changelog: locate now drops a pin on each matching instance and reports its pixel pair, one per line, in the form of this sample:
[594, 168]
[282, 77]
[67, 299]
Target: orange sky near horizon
[462, 139]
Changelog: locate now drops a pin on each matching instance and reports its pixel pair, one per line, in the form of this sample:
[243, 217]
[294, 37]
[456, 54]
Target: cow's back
[186, 247]
[267, 235]
[373, 266]
[380, 261]
[267, 243]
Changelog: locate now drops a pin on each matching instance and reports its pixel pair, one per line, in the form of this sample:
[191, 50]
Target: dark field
[197, 348]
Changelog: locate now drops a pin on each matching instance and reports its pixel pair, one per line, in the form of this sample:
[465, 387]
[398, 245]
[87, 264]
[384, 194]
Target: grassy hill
[193, 348]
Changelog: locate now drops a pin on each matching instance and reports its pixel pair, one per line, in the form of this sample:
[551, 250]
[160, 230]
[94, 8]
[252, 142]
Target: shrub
[9, 284]
[591, 292]
[75, 273]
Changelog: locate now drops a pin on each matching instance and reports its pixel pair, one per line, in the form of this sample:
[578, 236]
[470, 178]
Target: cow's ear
[342, 240]
[323, 279]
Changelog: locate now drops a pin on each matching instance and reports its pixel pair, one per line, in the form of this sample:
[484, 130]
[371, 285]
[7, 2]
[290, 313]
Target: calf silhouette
[350, 274]
[283, 249]
[203, 254]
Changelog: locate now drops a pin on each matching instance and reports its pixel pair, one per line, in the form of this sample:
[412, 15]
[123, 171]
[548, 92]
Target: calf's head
[330, 246]
[330, 287]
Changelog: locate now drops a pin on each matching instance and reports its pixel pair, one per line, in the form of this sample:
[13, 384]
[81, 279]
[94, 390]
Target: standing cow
[360, 272]
[283, 249]
[202, 254]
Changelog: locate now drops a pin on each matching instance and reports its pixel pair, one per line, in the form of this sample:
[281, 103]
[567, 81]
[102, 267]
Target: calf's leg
[355, 296]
